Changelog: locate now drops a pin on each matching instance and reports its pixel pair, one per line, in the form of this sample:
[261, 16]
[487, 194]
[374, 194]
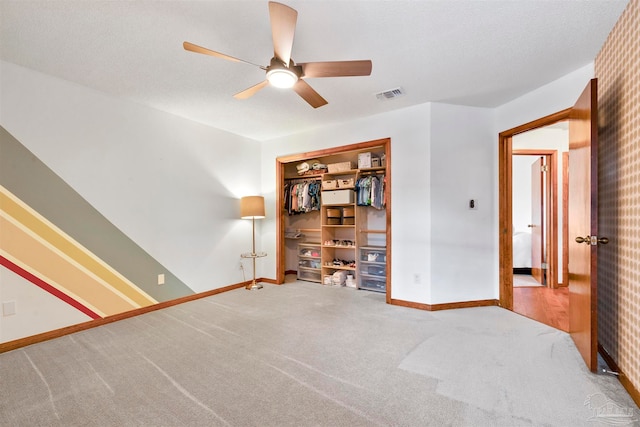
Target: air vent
[390, 94]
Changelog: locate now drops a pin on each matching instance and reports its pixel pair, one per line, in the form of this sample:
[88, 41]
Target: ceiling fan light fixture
[282, 77]
[282, 71]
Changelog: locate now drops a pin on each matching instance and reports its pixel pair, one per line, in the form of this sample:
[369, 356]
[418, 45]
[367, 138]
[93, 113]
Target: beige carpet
[304, 354]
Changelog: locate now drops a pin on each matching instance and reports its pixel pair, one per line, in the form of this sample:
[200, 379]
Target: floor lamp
[252, 207]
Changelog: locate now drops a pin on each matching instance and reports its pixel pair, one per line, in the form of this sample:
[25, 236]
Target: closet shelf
[340, 267]
[347, 172]
[372, 170]
[309, 268]
[315, 176]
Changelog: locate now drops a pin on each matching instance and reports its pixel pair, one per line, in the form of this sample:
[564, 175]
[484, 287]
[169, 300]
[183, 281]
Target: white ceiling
[470, 52]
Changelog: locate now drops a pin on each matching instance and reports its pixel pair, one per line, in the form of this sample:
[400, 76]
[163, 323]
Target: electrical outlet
[8, 308]
[473, 204]
[160, 279]
[417, 279]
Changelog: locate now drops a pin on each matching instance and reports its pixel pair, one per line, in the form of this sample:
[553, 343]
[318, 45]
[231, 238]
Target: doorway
[582, 202]
[537, 219]
[533, 221]
[537, 212]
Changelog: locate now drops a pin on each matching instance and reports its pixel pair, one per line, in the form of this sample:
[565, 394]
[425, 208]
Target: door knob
[592, 240]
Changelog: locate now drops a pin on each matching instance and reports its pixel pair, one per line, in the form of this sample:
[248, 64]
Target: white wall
[442, 156]
[463, 163]
[442, 251]
[548, 99]
[409, 130]
[36, 310]
[521, 197]
[170, 184]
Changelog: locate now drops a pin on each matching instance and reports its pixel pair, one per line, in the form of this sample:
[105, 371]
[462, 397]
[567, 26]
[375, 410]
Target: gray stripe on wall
[22, 173]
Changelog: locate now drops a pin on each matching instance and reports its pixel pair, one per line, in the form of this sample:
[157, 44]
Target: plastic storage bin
[337, 197]
[373, 285]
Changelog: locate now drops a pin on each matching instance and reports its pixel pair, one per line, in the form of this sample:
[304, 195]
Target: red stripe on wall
[47, 287]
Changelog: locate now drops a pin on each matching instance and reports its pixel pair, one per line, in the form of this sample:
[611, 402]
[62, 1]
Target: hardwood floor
[545, 305]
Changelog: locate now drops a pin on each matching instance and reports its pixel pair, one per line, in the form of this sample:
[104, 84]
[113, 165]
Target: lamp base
[253, 286]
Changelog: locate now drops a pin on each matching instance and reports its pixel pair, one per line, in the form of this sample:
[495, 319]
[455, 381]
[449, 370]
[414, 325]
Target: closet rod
[379, 172]
[297, 180]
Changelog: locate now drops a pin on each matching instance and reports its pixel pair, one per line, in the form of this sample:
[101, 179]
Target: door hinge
[544, 168]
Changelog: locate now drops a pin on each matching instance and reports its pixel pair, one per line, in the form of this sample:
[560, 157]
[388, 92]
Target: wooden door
[536, 225]
[583, 224]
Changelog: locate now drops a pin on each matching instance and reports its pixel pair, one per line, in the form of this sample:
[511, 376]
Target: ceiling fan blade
[336, 69]
[199, 49]
[247, 93]
[283, 28]
[314, 99]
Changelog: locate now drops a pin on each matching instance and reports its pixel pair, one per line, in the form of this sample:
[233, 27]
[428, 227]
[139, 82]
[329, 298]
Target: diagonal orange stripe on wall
[57, 240]
[24, 250]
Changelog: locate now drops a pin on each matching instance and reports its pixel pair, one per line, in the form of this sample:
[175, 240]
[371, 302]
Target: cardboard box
[334, 213]
[337, 197]
[364, 160]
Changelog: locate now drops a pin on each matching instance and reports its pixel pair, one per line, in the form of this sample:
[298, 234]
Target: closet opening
[333, 222]
[535, 217]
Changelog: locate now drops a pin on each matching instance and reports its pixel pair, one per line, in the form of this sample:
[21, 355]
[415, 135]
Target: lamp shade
[252, 207]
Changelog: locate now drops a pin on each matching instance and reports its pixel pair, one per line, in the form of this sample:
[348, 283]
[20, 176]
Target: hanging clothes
[370, 191]
[302, 197]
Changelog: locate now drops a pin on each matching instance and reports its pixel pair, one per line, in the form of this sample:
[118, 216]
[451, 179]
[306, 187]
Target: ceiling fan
[282, 72]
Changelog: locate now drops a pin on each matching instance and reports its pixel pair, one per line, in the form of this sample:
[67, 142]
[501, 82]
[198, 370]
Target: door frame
[505, 201]
[551, 210]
